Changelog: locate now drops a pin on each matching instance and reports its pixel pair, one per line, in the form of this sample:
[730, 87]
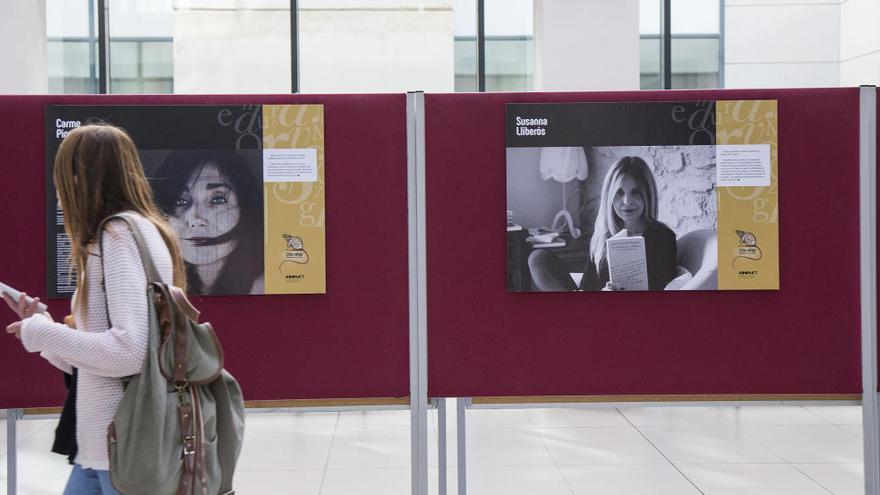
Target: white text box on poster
[290, 165]
[743, 165]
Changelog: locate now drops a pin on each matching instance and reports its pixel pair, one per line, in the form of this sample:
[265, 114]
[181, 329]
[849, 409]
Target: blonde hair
[607, 221]
[98, 173]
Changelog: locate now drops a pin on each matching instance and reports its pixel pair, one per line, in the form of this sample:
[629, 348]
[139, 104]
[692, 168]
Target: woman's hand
[21, 307]
[612, 287]
[14, 329]
[23, 310]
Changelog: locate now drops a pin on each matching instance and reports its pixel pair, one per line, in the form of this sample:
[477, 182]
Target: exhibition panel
[491, 335]
[346, 337]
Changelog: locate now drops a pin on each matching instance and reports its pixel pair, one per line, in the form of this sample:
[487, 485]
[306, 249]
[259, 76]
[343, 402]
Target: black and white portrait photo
[611, 197]
[564, 203]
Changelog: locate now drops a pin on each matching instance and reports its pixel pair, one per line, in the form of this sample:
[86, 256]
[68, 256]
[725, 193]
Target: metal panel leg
[870, 427]
[418, 305]
[868, 271]
[12, 416]
[442, 468]
[463, 403]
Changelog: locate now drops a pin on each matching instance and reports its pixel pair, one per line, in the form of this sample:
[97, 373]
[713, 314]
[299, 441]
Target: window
[695, 44]
[509, 45]
[72, 46]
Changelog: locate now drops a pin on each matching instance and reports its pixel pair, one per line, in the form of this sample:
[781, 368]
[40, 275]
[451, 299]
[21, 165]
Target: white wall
[231, 51]
[782, 43]
[372, 49]
[860, 42]
[586, 45]
[345, 45]
[23, 38]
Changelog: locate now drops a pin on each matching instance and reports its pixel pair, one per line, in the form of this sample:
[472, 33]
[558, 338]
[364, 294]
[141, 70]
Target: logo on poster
[295, 250]
[748, 249]
[294, 254]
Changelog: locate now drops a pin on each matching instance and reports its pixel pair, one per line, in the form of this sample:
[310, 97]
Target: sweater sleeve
[120, 350]
[57, 362]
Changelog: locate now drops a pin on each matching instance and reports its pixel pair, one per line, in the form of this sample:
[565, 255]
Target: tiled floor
[756, 450]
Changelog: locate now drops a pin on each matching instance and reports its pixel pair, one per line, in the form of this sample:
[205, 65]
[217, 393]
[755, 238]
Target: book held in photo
[627, 265]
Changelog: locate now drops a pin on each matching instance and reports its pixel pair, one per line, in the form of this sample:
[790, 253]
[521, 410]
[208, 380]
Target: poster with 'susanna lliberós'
[635, 196]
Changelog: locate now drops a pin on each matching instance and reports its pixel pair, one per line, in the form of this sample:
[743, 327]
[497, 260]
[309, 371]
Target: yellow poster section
[294, 242]
[748, 217]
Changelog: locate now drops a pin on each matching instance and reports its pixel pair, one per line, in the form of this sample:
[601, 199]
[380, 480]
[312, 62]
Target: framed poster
[642, 196]
[243, 187]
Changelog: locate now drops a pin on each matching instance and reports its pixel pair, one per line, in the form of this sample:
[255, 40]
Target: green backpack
[180, 424]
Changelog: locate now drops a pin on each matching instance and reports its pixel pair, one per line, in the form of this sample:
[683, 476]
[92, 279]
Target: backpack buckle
[189, 445]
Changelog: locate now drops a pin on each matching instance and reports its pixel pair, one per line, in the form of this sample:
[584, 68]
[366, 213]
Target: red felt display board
[801, 339]
[352, 342]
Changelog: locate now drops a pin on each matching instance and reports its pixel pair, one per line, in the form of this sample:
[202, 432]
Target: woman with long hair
[98, 174]
[214, 203]
[629, 201]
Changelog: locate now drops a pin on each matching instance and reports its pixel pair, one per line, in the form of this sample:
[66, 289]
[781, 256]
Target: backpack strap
[146, 257]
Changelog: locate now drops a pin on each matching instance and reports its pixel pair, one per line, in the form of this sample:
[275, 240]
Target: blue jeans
[86, 481]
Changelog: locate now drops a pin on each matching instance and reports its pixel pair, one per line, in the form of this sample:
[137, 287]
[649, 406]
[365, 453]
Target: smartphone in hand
[15, 294]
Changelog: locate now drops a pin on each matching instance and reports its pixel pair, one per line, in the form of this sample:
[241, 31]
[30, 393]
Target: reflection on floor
[755, 450]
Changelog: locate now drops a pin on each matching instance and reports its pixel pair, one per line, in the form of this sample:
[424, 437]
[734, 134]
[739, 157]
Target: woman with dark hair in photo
[215, 204]
[629, 201]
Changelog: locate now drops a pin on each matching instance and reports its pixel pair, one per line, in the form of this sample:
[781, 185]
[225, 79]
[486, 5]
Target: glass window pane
[141, 46]
[696, 44]
[649, 17]
[376, 45]
[231, 47]
[696, 16]
[156, 61]
[124, 59]
[509, 63]
[157, 86]
[125, 86]
[465, 45]
[649, 63]
[649, 45]
[71, 43]
[465, 64]
[695, 62]
[510, 49]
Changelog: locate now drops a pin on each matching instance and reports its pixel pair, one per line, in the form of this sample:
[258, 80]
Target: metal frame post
[868, 274]
[461, 447]
[294, 46]
[12, 416]
[721, 32]
[418, 322]
[666, 45]
[103, 49]
[442, 465]
[481, 46]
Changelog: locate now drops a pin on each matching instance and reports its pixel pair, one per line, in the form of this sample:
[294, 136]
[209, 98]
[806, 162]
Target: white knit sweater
[103, 354]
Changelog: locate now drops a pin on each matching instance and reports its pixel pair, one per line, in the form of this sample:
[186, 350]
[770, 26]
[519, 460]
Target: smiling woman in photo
[214, 203]
[629, 201]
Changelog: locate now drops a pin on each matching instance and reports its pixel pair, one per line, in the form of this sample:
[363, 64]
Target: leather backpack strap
[185, 413]
[146, 258]
[172, 316]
